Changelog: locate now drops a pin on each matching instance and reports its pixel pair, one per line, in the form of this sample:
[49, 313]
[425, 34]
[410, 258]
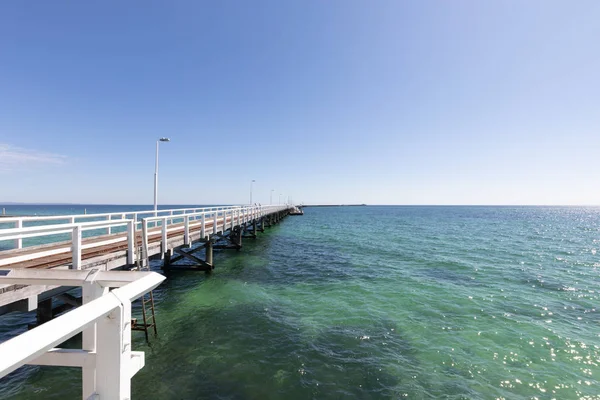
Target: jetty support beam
[200, 264]
[234, 239]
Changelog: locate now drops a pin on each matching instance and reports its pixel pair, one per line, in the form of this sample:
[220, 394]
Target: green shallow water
[376, 303]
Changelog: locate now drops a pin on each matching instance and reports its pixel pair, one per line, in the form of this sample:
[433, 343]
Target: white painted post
[222, 212]
[19, 241]
[90, 290]
[186, 231]
[215, 223]
[130, 242]
[108, 230]
[72, 220]
[203, 233]
[135, 218]
[164, 237]
[113, 353]
[146, 254]
[76, 247]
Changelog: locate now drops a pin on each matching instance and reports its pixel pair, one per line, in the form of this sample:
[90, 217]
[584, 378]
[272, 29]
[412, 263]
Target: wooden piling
[167, 262]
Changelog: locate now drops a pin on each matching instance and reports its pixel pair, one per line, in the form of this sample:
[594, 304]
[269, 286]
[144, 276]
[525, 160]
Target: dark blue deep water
[374, 303]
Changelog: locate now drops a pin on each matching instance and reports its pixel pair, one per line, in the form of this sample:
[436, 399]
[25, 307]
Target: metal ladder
[148, 316]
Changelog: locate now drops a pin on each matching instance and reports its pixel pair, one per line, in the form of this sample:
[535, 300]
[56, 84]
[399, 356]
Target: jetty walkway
[47, 256]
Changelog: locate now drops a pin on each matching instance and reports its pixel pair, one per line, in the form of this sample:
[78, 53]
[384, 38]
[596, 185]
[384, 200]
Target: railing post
[130, 242]
[76, 247]
[108, 230]
[215, 222]
[19, 242]
[90, 290]
[202, 230]
[164, 237]
[146, 254]
[113, 353]
[135, 219]
[186, 232]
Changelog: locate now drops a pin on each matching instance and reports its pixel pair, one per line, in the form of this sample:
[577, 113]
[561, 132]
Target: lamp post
[271, 198]
[251, 183]
[163, 139]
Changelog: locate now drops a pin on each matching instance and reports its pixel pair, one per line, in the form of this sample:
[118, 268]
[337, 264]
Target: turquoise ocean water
[375, 303]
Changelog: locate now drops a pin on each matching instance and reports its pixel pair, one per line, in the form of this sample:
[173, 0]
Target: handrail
[30, 218]
[106, 358]
[45, 230]
[76, 230]
[176, 213]
[18, 222]
[221, 219]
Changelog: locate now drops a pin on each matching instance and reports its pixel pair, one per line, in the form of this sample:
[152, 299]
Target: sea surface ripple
[378, 302]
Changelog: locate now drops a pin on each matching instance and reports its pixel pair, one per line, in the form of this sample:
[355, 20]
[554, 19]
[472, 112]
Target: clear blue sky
[381, 102]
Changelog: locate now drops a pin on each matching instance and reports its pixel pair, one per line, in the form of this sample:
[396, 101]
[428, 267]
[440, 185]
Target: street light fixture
[162, 139]
[251, 183]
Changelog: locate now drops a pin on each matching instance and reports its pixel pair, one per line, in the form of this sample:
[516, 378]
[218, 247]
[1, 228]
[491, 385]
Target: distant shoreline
[334, 205]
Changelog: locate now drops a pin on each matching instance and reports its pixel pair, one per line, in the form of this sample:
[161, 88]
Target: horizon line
[302, 204]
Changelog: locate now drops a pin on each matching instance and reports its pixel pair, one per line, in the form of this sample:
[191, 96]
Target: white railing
[219, 220]
[76, 245]
[106, 358]
[177, 213]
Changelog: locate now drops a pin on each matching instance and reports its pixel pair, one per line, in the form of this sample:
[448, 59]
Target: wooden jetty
[84, 250]
[137, 237]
